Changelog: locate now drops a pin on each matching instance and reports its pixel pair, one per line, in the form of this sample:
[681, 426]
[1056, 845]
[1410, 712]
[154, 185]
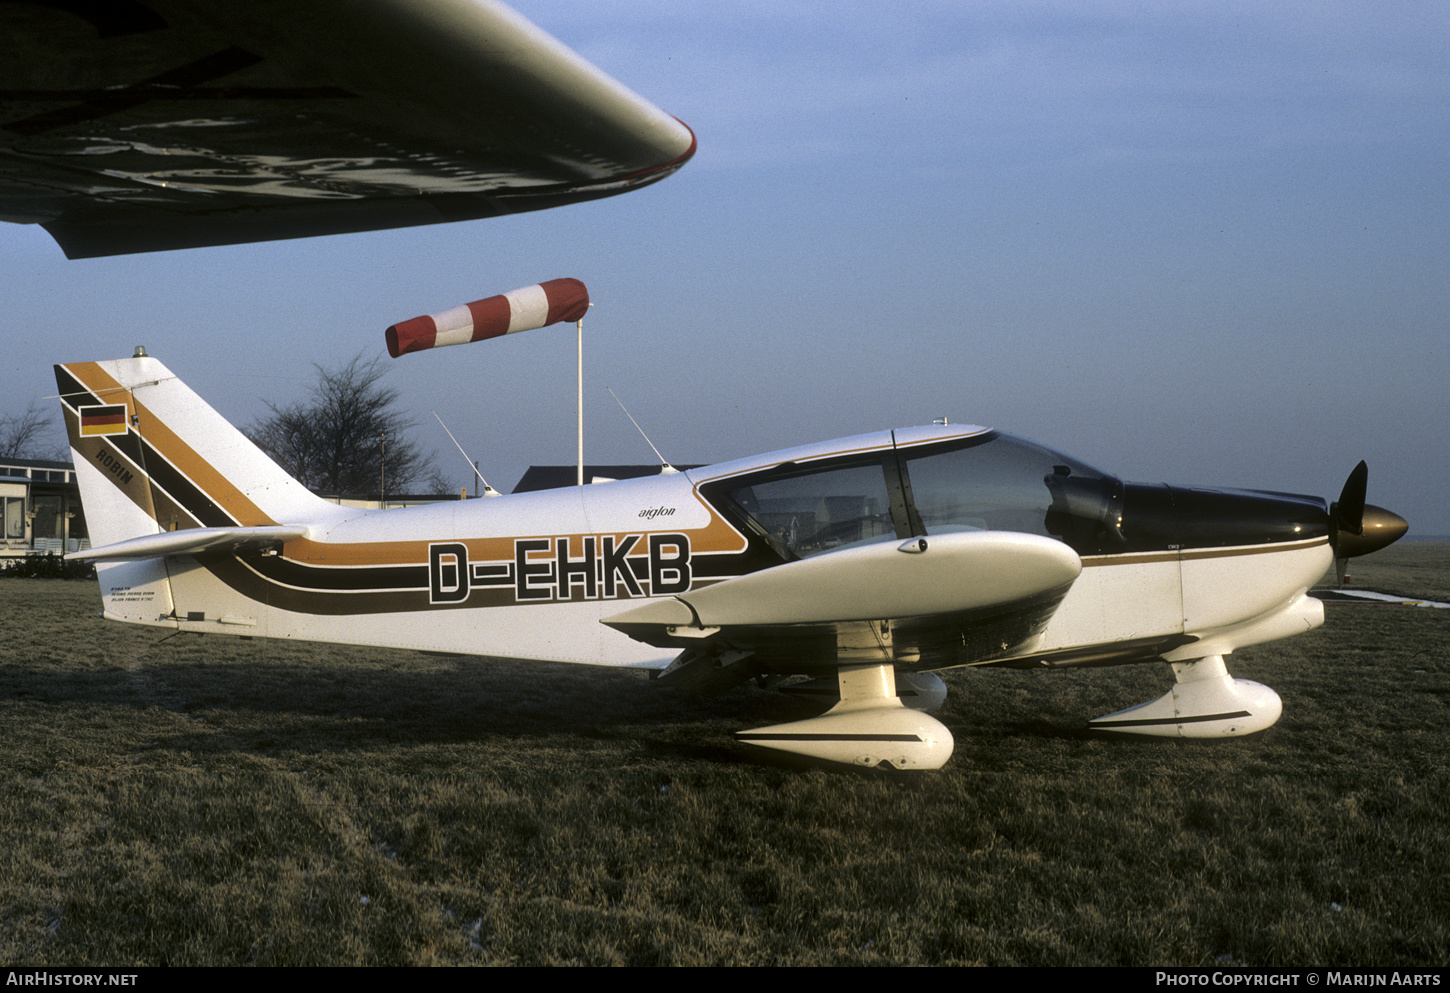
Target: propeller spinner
[1358, 528]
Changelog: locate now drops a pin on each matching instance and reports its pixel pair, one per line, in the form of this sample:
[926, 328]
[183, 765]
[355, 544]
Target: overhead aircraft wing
[145, 125]
[927, 602]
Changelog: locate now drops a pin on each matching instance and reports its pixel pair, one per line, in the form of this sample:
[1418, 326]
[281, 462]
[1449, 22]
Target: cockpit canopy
[985, 482]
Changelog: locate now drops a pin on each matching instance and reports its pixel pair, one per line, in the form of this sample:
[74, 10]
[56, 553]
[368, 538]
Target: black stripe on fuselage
[343, 579]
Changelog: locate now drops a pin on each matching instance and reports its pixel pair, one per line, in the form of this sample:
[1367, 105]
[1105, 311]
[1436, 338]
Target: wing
[144, 125]
[950, 599]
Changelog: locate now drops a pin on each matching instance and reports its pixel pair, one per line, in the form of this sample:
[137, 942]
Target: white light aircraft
[145, 125]
[863, 563]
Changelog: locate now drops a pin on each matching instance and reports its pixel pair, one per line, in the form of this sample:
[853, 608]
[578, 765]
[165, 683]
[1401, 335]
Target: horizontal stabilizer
[193, 540]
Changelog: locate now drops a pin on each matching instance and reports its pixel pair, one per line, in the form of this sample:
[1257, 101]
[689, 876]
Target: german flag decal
[107, 419]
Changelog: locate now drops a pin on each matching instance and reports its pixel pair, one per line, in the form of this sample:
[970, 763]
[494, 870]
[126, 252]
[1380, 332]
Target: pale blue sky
[1186, 242]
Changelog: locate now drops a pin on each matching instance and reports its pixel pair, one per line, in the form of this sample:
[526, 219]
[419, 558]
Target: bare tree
[348, 437]
[27, 436]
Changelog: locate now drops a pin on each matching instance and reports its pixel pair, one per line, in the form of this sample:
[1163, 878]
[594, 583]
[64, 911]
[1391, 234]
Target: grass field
[200, 801]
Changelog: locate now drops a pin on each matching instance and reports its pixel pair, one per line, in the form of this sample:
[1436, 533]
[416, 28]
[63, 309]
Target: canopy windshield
[1007, 484]
[992, 482]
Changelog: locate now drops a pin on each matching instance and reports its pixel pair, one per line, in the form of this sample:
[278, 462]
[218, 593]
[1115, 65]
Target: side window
[813, 512]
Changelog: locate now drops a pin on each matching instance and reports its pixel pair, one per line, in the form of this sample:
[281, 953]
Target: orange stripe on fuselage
[1195, 554]
[717, 536]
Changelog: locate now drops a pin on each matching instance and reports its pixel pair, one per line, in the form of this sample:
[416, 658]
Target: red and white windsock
[521, 310]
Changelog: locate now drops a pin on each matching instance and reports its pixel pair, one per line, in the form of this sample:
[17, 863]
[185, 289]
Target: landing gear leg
[868, 727]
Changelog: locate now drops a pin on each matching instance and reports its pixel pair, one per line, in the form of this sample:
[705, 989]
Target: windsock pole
[579, 328]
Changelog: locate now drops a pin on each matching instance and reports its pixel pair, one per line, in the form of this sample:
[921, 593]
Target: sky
[1186, 242]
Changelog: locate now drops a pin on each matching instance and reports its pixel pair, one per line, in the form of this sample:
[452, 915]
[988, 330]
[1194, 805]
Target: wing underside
[142, 125]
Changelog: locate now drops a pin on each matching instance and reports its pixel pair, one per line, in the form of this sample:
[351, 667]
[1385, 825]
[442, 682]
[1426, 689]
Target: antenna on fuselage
[665, 467]
[488, 491]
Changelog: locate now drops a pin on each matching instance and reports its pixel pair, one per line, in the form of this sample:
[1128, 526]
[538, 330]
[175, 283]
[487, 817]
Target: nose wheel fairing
[1205, 702]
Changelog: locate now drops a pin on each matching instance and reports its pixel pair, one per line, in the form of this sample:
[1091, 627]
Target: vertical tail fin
[152, 456]
[158, 458]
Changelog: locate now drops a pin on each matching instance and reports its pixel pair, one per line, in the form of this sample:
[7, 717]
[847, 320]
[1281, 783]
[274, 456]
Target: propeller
[1358, 528]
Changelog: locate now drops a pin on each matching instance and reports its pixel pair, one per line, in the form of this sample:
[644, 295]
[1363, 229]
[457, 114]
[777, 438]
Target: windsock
[520, 310]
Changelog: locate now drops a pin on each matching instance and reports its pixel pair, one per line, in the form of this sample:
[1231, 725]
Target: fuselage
[1165, 569]
[202, 532]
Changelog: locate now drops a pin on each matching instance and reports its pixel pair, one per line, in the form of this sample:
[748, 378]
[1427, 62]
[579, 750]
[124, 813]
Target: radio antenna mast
[665, 468]
[488, 491]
